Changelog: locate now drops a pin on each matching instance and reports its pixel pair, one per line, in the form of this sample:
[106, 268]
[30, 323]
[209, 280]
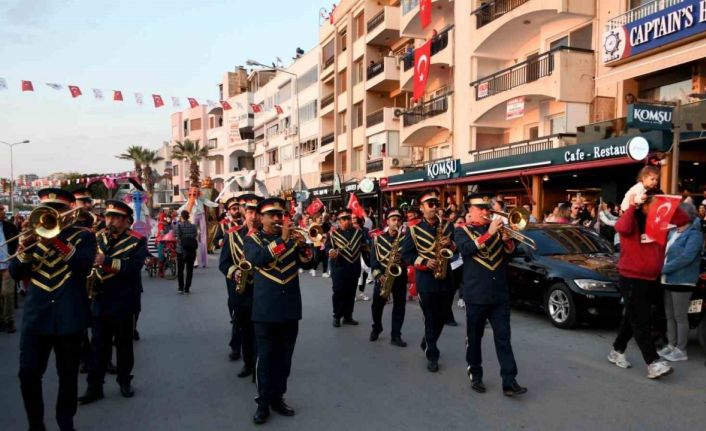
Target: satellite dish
[398, 112]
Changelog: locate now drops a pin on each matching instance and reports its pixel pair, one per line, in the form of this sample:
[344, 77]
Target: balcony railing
[376, 21]
[493, 10]
[525, 147]
[327, 100]
[327, 139]
[640, 12]
[375, 69]
[375, 118]
[519, 74]
[438, 44]
[329, 61]
[409, 6]
[430, 108]
[374, 166]
[326, 176]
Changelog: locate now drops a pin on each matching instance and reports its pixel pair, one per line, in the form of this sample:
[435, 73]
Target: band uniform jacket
[57, 301]
[223, 227]
[382, 247]
[485, 260]
[232, 253]
[349, 244]
[418, 248]
[119, 280]
[276, 294]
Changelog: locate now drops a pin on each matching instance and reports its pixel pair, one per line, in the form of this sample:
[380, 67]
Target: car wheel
[560, 306]
[701, 332]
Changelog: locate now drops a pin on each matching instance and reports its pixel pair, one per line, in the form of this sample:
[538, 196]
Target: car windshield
[568, 240]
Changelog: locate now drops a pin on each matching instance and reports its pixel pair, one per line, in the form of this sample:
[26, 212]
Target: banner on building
[515, 108]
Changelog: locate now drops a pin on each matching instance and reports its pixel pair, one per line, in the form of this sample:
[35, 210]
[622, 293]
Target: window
[308, 112]
[259, 162]
[307, 147]
[557, 124]
[343, 40]
[358, 162]
[284, 123]
[328, 54]
[358, 72]
[212, 143]
[439, 152]
[357, 115]
[532, 131]
[285, 92]
[359, 26]
[386, 144]
[285, 152]
[195, 124]
[272, 157]
[219, 166]
[186, 127]
[342, 82]
[220, 92]
[175, 170]
[580, 38]
[286, 182]
[309, 78]
[637, 3]
[272, 130]
[342, 122]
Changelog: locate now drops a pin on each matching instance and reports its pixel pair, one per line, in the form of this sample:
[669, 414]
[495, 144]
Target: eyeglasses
[433, 204]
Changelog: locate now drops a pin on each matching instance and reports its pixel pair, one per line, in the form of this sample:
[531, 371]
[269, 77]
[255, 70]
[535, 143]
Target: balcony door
[532, 68]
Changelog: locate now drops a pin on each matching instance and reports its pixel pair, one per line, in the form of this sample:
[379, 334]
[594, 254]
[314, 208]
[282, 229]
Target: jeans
[676, 308]
[187, 258]
[637, 295]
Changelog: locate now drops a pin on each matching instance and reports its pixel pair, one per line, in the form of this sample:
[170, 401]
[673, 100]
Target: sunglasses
[344, 218]
[433, 204]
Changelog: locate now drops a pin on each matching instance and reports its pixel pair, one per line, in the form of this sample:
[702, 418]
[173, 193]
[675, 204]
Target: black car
[572, 275]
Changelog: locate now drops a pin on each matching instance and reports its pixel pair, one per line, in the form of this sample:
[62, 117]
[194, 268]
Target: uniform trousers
[34, 356]
[499, 317]
[435, 307]
[236, 336]
[242, 319]
[344, 290]
[399, 298]
[105, 329]
[275, 346]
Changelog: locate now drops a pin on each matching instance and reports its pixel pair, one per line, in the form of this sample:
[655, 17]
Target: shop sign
[679, 21]
[483, 88]
[636, 148]
[443, 168]
[321, 192]
[366, 185]
[515, 108]
[653, 117]
[384, 181]
[350, 188]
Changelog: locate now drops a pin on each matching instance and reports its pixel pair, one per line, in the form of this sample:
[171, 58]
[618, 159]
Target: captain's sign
[684, 19]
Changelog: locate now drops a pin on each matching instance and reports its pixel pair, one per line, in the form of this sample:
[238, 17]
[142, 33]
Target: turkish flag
[192, 102]
[355, 206]
[27, 86]
[118, 95]
[421, 69]
[226, 106]
[425, 12]
[75, 91]
[255, 107]
[314, 207]
[279, 110]
[661, 211]
[158, 102]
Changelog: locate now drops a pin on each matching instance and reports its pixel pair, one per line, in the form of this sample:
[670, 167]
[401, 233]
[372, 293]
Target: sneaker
[461, 303]
[658, 369]
[363, 297]
[675, 355]
[301, 271]
[619, 359]
[664, 351]
[326, 275]
[313, 273]
[369, 281]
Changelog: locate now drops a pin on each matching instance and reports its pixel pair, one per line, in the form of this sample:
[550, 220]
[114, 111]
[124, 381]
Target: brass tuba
[393, 269]
[441, 254]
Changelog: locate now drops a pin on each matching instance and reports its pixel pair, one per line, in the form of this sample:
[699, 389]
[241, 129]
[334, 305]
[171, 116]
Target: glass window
[272, 157]
[564, 41]
[343, 42]
[259, 162]
[308, 112]
[359, 26]
[286, 152]
[309, 78]
[175, 170]
[308, 146]
[557, 124]
[285, 92]
[358, 72]
[582, 38]
[567, 241]
[342, 122]
[328, 53]
[342, 81]
[272, 130]
[377, 145]
[358, 162]
[357, 115]
[668, 92]
[195, 124]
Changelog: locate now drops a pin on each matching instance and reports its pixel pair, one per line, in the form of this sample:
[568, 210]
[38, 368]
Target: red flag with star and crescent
[193, 102]
[27, 86]
[425, 12]
[660, 215]
[226, 106]
[158, 102]
[355, 206]
[421, 69]
[75, 91]
[314, 207]
[117, 95]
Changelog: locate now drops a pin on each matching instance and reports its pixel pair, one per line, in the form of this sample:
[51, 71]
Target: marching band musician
[85, 201]
[435, 295]
[117, 271]
[344, 248]
[232, 254]
[231, 219]
[277, 307]
[485, 251]
[56, 311]
[379, 260]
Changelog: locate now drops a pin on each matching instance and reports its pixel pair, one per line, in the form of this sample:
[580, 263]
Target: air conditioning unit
[395, 162]
[278, 166]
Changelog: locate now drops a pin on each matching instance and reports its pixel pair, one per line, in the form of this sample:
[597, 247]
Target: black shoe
[90, 396]
[234, 355]
[398, 341]
[451, 322]
[423, 344]
[350, 321]
[433, 366]
[282, 408]
[261, 414]
[336, 323]
[374, 335]
[478, 386]
[111, 368]
[514, 389]
[245, 371]
[126, 390]
[83, 369]
[136, 335]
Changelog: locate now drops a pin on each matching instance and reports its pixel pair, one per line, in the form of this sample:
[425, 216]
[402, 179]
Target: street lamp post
[12, 173]
[296, 109]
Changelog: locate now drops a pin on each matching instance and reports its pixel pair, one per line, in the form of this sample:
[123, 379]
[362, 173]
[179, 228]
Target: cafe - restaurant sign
[637, 148]
[683, 19]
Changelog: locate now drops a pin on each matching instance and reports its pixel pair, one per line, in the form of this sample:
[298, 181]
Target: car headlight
[595, 285]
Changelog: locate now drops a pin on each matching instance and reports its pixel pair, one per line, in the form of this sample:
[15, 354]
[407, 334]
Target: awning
[321, 157]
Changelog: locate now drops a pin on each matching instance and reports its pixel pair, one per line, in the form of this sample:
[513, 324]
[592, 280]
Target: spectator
[702, 216]
[187, 243]
[532, 218]
[686, 197]
[18, 221]
[7, 284]
[562, 214]
[607, 219]
[575, 213]
[679, 276]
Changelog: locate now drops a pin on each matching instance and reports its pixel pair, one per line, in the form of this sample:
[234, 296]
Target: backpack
[189, 242]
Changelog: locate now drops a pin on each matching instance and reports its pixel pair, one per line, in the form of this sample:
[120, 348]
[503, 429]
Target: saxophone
[393, 269]
[441, 254]
[245, 268]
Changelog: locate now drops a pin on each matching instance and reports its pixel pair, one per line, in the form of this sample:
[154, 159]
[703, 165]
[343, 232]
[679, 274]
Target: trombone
[517, 221]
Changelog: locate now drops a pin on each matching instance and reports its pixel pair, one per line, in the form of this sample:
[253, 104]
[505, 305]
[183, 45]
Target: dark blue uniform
[485, 292]
[435, 296]
[379, 260]
[116, 302]
[242, 333]
[276, 308]
[345, 269]
[56, 313]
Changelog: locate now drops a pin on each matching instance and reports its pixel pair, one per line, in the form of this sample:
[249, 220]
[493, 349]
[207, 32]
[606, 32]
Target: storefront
[367, 190]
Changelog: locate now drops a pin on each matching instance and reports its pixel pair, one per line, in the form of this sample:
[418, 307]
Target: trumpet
[299, 235]
[517, 221]
[316, 233]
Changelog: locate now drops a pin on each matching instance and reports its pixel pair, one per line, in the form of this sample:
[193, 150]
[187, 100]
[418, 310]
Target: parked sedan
[572, 274]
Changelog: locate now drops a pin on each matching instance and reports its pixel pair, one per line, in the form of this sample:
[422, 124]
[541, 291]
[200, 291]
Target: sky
[172, 48]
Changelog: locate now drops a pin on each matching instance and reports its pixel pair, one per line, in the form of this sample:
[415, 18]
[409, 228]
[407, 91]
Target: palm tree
[194, 153]
[147, 159]
[134, 154]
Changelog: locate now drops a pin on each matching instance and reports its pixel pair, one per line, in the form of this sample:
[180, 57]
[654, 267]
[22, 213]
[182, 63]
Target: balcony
[383, 76]
[640, 12]
[326, 104]
[525, 147]
[564, 74]
[441, 57]
[424, 121]
[384, 28]
[410, 21]
[374, 166]
[327, 139]
[326, 177]
[381, 120]
[327, 67]
[493, 10]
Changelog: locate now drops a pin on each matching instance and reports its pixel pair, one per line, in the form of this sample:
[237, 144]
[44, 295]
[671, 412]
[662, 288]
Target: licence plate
[695, 306]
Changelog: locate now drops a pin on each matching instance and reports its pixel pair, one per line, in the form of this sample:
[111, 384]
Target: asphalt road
[340, 380]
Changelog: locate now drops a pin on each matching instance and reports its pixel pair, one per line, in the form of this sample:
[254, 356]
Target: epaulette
[252, 231]
[135, 234]
[224, 221]
[414, 222]
[234, 229]
[376, 232]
